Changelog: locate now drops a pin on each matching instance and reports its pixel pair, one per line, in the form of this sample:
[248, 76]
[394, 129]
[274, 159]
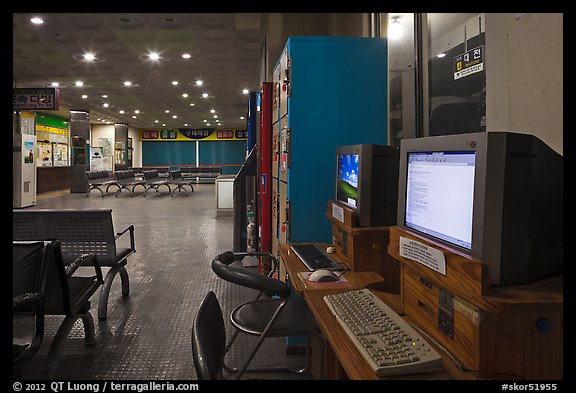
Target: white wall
[524, 75]
[134, 133]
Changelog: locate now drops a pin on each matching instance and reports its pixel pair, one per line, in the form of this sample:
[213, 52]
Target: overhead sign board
[469, 63]
[33, 98]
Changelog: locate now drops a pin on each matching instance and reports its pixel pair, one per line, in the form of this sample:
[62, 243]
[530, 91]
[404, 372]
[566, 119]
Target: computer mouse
[323, 275]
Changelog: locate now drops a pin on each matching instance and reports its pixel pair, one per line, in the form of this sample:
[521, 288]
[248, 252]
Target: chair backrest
[28, 270]
[175, 175]
[28, 277]
[209, 339]
[149, 175]
[242, 276]
[80, 231]
[57, 290]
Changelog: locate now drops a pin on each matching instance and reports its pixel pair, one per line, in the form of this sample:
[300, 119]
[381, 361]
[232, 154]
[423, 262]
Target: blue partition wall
[228, 154]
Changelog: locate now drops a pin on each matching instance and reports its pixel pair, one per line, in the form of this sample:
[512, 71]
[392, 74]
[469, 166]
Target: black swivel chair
[280, 314]
[65, 294]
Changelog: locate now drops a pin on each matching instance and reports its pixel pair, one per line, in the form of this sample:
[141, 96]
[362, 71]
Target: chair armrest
[24, 298]
[131, 229]
[84, 259]
[238, 256]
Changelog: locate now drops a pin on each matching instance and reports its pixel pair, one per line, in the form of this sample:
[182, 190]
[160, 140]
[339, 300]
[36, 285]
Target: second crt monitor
[496, 196]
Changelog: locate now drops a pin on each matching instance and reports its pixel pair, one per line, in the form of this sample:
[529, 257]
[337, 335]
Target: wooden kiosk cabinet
[363, 248]
[495, 332]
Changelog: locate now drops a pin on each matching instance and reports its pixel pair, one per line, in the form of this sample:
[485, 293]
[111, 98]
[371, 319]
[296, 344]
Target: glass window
[456, 96]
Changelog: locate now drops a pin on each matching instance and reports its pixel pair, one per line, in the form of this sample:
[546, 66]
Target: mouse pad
[310, 284]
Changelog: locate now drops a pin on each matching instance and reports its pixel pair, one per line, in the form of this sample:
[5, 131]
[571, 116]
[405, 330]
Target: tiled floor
[147, 334]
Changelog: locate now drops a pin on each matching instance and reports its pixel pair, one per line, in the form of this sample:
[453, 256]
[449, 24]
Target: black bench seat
[180, 183]
[152, 180]
[99, 179]
[127, 181]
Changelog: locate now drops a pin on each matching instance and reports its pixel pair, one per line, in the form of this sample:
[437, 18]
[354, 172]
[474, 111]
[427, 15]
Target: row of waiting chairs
[128, 180]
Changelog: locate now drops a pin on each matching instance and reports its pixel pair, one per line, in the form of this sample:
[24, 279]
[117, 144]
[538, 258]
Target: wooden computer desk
[342, 359]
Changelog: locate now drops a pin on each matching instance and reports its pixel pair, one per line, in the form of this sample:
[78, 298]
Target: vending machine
[24, 170]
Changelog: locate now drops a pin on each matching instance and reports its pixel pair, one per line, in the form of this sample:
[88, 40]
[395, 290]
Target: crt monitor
[367, 182]
[496, 196]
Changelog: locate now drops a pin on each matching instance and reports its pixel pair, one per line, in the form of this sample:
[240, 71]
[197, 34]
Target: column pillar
[120, 146]
[79, 150]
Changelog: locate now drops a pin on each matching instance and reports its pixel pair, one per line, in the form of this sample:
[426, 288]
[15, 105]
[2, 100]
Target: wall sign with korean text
[35, 99]
[469, 63]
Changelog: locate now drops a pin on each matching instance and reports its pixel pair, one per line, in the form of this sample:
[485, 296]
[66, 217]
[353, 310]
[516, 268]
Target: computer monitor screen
[440, 195]
[496, 196]
[347, 179]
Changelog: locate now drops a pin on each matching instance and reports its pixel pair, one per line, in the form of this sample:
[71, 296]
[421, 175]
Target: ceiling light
[163, 125]
[134, 116]
[395, 29]
[175, 83]
[185, 124]
[245, 91]
[121, 112]
[37, 21]
[154, 56]
[192, 104]
[89, 56]
[174, 116]
[84, 96]
[215, 116]
[241, 117]
[79, 83]
[136, 111]
[204, 95]
[199, 83]
[127, 83]
[204, 120]
[212, 111]
[441, 55]
[105, 105]
[55, 84]
[207, 124]
[167, 111]
[186, 55]
[184, 95]
[155, 121]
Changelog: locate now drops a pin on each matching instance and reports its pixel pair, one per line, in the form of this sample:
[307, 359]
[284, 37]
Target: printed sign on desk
[423, 254]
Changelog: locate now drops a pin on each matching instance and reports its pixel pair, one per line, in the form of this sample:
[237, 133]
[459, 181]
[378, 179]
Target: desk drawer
[421, 304]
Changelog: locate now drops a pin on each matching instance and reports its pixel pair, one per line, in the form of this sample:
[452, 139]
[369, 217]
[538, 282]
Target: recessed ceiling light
[199, 82]
[441, 55]
[174, 116]
[192, 104]
[79, 83]
[134, 117]
[121, 112]
[207, 124]
[204, 120]
[55, 84]
[105, 105]
[204, 95]
[155, 121]
[215, 116]
[84, 96]
[127, 83]
[175, 83]
[104, 96]
[184, 95]
[212, 111]
[163, 125]
[245, 91]
[136, 111]
[37, 20]
[186, 55]
[185, 124]
[154, 56]
[241, 117]
[89, 56]
[167, 111]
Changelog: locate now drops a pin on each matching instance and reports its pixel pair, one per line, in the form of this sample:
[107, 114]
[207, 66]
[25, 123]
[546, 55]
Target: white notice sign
[424, 254]
[338, 212]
